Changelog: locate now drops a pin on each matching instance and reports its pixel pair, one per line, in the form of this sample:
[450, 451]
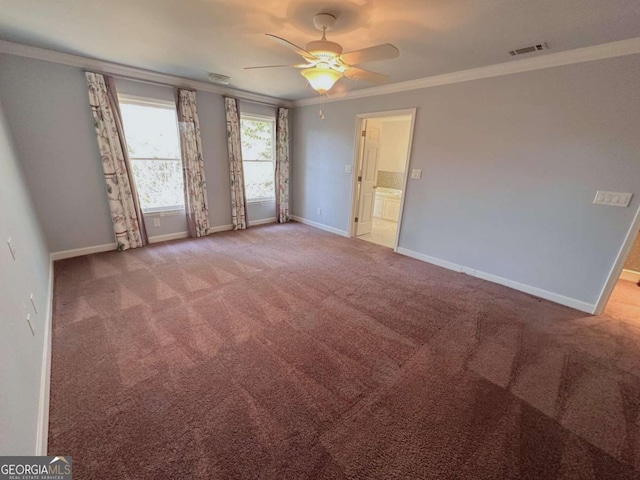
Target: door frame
[357, 146]
[618, 265]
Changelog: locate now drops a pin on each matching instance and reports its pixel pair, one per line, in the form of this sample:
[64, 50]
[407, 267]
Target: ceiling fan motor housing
[324, 48]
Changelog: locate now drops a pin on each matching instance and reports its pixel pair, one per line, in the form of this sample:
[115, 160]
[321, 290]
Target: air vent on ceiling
[529, 49]
[219, 78]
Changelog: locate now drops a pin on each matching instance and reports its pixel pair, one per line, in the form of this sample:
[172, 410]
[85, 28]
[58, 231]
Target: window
[258, 156]
[151, 130]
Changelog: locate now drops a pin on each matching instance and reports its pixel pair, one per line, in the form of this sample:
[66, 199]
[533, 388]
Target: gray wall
[47, 108]
[48, 112]
[20, 351]
[510, 167]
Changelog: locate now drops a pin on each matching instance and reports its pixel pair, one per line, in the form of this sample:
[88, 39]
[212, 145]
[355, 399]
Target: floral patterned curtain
[282, 165]
[238, 200]
[195, 185]
[128, 223]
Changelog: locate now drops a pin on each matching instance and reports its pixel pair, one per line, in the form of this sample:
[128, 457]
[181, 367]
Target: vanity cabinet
[391, 209]
[386, 206]
[378, 206]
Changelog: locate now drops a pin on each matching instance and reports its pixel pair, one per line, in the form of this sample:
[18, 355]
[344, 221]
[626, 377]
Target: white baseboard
[253, 223]
[45, 373]
[220, 228]
[535, 291]
[168, 236]
[321, 226]
[78, 252]
[630, 275]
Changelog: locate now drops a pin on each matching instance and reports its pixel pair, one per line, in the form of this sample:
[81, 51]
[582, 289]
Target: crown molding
[598, 52]
[132, 73]
[568, 57]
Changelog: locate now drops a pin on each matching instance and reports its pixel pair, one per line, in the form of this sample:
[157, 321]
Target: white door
[367, 178]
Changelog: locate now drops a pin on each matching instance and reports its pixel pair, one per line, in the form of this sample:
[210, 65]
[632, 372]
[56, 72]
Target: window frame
[272, 121]
[167, 105]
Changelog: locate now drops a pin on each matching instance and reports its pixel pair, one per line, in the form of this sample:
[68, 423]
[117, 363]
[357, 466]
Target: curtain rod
[173, 85]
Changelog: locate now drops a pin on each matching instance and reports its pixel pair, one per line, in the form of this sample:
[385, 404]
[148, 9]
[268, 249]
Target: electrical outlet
[31, 327]
[319, 212]
[416, 174]
[12, 248]
[156, 222]
[347, 168]
[33, 303]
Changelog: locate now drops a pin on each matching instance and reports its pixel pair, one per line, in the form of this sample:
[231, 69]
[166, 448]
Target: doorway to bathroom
[623, 302]
[383, 148]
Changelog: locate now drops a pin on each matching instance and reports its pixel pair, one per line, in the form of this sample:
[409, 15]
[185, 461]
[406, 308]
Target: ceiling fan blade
[354, 73]
[299, 65]
[295, 48]
[371, 54]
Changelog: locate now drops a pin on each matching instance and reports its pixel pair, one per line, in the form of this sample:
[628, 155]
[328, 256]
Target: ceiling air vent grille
[529, 49]
[219, 78]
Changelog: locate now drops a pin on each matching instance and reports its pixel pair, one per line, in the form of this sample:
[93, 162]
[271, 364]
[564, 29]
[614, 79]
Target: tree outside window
[153, 142]
[258, 156]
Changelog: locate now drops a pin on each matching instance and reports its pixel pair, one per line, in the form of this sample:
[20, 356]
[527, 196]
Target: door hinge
[356, 220]
[359, 178]
[364, 133]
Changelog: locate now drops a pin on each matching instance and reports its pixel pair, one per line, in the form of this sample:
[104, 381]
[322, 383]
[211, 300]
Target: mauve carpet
[284, 352]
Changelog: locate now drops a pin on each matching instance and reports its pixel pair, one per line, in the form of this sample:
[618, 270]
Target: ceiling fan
[325, 63]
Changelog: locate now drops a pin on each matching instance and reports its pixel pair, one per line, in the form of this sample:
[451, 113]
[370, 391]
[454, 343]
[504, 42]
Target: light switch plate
[416, 174]
[613, 199]
[347, 169]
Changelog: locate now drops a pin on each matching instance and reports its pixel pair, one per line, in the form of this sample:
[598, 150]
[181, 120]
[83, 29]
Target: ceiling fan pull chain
[324, 95]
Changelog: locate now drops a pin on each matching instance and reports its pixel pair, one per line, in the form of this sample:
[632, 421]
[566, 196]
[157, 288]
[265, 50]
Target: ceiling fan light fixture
[325, 63]
[321, 79]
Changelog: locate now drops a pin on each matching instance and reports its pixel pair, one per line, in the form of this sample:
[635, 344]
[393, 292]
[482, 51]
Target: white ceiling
[190, 38]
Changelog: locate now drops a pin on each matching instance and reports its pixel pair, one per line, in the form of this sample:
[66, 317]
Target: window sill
[261, 200]
[164, 212]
